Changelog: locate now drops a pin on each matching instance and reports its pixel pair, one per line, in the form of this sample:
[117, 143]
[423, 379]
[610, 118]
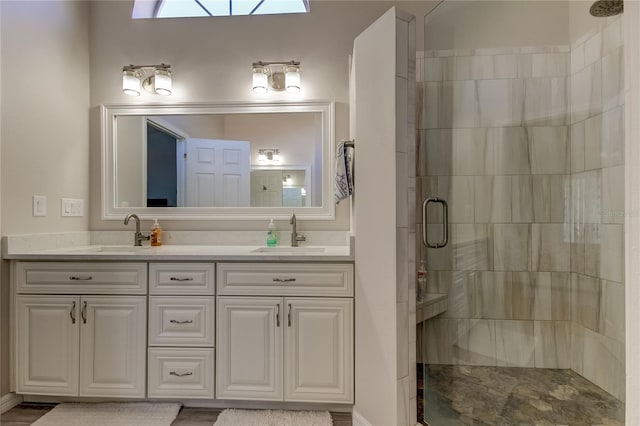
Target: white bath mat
[110, 414]
[232, 417]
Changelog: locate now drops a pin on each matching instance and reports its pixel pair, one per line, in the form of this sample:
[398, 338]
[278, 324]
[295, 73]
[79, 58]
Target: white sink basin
[289, 250]
[117, 249]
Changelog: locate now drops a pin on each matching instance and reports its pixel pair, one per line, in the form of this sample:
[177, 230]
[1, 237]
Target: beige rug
[110, 414]
[232, 417]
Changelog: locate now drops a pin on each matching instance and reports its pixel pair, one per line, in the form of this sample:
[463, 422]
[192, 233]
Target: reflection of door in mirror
[217, 173]
[190, 172]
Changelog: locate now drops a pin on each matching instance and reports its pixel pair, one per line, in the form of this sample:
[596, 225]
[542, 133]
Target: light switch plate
[39, 204]
[71, 207]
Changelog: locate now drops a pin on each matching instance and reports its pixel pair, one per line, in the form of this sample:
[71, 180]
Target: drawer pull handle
[181, 279]
[278, 315]
[72, 313]
[289, 316]
[83, 313]
[175, 373]
[77, 278]
[285, 280]
[181, 321]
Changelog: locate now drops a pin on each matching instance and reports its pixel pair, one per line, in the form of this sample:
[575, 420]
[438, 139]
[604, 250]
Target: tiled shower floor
[465, 395]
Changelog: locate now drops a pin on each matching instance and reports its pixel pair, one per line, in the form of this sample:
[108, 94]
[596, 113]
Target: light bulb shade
[276, 156]
[260, 80]
[130, 83]
[162, 82]
[261, 157]
[292, 79]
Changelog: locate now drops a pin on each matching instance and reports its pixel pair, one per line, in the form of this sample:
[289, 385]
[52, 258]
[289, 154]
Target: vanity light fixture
[268, 155]
[277, 76]
[154, 79]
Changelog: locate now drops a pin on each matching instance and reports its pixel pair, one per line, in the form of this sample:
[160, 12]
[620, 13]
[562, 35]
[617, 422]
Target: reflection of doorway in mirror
[162, 183]
[266, 188]
[294, 193]
[280, 187]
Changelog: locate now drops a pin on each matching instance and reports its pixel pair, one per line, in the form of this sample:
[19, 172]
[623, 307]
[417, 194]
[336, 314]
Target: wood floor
[25, 414]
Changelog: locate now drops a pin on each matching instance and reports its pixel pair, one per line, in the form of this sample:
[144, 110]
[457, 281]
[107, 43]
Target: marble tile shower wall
[597, 207]
[526, 146]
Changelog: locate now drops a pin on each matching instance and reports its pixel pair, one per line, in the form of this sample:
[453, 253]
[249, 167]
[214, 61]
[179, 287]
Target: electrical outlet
[39, 204]
[71, 207]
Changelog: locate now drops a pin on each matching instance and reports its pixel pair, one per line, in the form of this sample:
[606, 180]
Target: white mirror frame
[110, 211]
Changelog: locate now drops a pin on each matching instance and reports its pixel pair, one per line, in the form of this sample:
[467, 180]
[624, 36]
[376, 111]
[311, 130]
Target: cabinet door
[319, 350]
[249, 348]
[113, 346]
[47, 339]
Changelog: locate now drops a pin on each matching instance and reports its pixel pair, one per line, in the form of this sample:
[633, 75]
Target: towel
[343, 186]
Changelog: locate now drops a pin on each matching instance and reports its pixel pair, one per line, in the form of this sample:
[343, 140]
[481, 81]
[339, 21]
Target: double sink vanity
[184, 322]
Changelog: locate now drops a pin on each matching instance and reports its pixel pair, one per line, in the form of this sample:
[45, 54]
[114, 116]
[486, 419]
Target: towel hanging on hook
[343, 185]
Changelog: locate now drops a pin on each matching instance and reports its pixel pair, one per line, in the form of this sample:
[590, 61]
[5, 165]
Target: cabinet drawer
[181, 278]
[175, 373]
[290, 279]
[81, 277]
[181, 321]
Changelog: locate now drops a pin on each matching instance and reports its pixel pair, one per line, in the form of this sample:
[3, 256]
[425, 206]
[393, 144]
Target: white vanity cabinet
[181, 330]
[76, 341]
[296, 343]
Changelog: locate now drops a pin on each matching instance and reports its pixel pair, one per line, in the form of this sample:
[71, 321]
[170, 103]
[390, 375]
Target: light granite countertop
[188, 253]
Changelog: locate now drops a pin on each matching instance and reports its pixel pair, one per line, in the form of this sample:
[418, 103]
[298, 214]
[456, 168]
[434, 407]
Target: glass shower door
[520, 131]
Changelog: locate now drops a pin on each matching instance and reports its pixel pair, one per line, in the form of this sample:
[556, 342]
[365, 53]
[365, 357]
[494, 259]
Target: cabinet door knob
[181, 279]
[289, 316]
[278, 315]
[181, 321]
[175, 373]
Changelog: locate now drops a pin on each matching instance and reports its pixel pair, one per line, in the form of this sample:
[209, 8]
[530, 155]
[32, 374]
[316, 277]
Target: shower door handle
[445, 223]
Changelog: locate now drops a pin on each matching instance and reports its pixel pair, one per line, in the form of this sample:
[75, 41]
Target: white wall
[482, 24]
[211, 59]
[385, 241]
[45, 121]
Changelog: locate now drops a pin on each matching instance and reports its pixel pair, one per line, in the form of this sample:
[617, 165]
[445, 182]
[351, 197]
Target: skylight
[189, 8]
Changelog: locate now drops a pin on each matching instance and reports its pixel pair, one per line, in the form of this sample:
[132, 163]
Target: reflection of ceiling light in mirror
[277, 76]
[155, 79]
[303, 191]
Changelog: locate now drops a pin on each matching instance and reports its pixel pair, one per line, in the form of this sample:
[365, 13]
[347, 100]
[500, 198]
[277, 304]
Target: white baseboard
[8, 401]
[358, 420]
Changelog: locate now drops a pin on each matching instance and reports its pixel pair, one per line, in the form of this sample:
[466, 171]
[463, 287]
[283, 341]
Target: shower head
[604, 8]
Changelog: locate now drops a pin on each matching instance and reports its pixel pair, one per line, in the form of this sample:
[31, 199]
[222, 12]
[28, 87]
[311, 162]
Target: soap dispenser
[156, 234]
[272, 237]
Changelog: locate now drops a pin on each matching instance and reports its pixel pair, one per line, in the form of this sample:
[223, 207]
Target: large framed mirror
[218, 161]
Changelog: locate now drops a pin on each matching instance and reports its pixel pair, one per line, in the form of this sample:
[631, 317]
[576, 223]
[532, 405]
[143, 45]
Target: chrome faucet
[295, 237]
[138, 236]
